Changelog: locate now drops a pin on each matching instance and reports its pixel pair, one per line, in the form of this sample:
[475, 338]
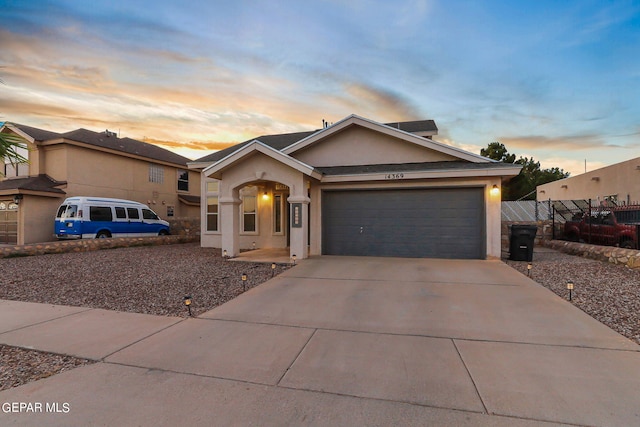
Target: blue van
[100, 218]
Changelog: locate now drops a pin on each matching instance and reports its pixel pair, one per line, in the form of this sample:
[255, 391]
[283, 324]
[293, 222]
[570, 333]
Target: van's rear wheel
[163, 233]
[103, 235]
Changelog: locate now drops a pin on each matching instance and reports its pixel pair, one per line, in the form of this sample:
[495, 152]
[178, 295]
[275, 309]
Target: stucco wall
[621, 179]
[36, 219]
[361, 146]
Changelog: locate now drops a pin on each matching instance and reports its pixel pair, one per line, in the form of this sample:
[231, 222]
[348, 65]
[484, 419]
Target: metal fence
[526, 211]
[599, 223]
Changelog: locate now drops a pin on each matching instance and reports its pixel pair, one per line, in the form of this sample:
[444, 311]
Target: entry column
[230, 225]
[299, 217]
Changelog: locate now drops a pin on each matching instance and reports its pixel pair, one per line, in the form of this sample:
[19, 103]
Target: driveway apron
[360, 341]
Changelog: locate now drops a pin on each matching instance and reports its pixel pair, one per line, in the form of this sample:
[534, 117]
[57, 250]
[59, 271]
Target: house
[618, 183]
[87, 163]
[357, 187]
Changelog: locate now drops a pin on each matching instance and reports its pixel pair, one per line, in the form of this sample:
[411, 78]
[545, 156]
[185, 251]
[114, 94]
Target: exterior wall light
[244, 282]
[187, 302]
[570, 288]
[17, 198]
[495, 191]
[265, 196]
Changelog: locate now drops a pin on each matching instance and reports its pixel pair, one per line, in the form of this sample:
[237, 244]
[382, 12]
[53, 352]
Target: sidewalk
[339, 341]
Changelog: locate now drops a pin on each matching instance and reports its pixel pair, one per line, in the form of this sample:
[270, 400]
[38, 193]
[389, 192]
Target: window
[212, 213]
[121, 213]
[183, 180]
[156, 174]
[149, 214]
[249, 214]
[133, 213]
[277, 213]
[100, 213]
[67, 211]
[212, 208]
[16, 169]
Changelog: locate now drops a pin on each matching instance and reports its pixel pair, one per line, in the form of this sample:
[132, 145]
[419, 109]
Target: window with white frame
[278, 209]
[156, 173]
[212, 212]
[249, 214]
[183, 180]
[16, 169]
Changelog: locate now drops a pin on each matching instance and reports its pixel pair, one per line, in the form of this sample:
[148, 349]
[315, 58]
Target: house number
[394, 176]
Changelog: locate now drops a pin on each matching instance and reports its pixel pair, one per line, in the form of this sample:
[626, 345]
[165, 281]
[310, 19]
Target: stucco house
[357, 187]
[618, 183]
[87, 163]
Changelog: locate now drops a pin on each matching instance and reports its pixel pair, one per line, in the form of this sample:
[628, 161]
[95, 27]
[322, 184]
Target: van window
[149, 214]
[133, 213]
[67, 211]
[100, 213]
[121, 213]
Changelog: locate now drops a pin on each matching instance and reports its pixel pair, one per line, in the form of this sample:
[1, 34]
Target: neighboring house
[356, 187]
[86, 163]
[619, 183]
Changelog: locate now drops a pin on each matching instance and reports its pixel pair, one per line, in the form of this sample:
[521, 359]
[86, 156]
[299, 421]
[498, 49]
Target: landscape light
[570, 288]
[293, 257]
[273, 268]
[244, 282]
[224, 254]
[529, 266]
[187, 302]
[253, 245]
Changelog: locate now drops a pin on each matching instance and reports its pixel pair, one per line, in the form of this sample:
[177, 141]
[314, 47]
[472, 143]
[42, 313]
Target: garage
[415, 223]
[8, 222]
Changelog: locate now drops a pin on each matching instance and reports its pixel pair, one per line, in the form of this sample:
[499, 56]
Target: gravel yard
[147, 279]
[154, 280]
[609, 293]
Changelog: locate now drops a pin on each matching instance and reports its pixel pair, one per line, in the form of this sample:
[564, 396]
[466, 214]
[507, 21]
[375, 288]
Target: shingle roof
[41, 182]
[125, 145]
[282, 141]
[407, 167]
[37, 134]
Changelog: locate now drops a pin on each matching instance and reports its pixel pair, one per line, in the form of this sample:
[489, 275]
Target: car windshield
[67, 211]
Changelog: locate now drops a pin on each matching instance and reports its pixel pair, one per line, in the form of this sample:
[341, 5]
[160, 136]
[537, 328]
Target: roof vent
[108, 133]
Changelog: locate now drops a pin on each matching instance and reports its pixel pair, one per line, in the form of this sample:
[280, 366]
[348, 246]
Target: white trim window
[212, 208]
[183, 180]
[278, 211]
[250, 214]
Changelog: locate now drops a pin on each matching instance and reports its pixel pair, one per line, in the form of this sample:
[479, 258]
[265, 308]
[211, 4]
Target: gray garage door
[416, 223]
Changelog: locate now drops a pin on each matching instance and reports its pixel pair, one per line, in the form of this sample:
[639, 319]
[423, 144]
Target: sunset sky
[556, 80]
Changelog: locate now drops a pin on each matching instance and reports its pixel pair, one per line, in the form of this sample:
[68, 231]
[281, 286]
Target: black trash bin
[521, 242]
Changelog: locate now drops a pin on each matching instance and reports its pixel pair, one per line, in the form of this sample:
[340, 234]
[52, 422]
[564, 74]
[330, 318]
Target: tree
[497, 151]
[524, 185]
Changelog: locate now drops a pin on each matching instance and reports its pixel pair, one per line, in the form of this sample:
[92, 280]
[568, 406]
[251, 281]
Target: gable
[357, 145]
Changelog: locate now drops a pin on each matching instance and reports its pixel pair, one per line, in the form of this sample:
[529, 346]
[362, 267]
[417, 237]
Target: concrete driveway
[346, 341]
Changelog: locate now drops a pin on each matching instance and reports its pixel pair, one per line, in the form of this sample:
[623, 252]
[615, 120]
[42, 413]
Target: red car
[609, 227]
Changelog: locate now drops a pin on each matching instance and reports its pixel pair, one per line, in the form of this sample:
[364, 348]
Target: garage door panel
[444, 223]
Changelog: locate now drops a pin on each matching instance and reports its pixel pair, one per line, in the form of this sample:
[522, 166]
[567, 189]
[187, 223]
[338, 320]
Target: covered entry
[437, 223]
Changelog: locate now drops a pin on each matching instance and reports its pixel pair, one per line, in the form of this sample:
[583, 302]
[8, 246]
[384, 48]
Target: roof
[35, 133]
[41, 183]
[108, 140]
[126, 145]
[284, 140]
[408, 167]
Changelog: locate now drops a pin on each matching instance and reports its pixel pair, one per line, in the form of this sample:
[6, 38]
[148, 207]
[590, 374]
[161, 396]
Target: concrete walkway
[339, 341]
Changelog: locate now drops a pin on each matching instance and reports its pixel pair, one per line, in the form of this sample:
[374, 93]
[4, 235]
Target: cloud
[569, 142]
